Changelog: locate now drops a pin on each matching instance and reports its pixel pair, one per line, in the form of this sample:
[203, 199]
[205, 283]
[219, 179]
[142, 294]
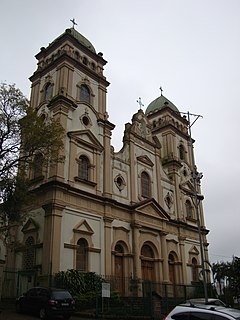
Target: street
[9, 314]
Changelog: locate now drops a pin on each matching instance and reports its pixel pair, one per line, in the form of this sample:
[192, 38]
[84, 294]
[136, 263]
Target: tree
[234, 277]
[23, 134]
[227, 275]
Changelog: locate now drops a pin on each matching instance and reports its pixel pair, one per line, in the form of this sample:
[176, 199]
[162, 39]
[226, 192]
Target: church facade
[126, 214]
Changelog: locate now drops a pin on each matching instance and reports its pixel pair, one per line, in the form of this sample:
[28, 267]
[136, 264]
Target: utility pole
[195, 176]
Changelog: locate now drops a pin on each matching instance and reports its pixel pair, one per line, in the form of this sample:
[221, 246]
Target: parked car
[211, 301]
[189, 311]
[46, 302]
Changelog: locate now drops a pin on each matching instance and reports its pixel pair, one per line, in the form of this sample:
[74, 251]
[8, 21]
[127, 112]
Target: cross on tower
[161, 90]
[73, 22]
[139, 101]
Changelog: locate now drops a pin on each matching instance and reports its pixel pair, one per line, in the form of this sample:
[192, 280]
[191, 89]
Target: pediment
[145, 160]
[83, 227]
[85, 137]
[153, 209]
[30, 226]
[194, 250]
[187, 187]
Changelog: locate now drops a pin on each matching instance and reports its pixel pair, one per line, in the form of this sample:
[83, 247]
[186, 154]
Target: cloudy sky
[189, 47]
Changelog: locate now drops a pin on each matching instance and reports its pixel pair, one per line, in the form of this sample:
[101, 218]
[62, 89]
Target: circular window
[119, 181]
[85, 120]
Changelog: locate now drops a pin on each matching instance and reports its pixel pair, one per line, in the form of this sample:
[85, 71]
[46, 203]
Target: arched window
[83, 168]
[194, 270]
[76, 55]
[38, 165]
[171, 267]
[189, 209]
[82, 255]
[119, 267]
[181, 152]
[145, 185]
[147, 261]
[48, 91]
[84, 93]
[29, 254]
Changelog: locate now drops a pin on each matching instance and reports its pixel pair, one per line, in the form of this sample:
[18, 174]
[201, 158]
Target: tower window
[38, 165]
[194, 270]
[76, 55]
[84, 93]
[83, 168]
[145, 185]
[85, 61]
[48, 92]
[181, 152]
[189, 209]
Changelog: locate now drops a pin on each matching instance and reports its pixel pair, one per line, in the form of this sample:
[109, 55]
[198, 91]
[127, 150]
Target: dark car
[46, 302]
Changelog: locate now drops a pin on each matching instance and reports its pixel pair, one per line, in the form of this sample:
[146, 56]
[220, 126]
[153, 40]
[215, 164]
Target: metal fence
[129, 297]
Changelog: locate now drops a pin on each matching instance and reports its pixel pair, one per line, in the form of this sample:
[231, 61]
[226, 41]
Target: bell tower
[69, 84]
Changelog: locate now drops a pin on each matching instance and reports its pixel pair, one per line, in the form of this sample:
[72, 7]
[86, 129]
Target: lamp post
[195, 176]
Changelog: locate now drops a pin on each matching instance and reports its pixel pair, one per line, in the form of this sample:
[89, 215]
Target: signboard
[106, 290]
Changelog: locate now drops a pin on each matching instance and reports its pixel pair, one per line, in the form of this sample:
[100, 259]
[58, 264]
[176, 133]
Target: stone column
[183, 258]
[108, 243]
[164, 256]
[52, 238]
[107, 169]
[137, 272]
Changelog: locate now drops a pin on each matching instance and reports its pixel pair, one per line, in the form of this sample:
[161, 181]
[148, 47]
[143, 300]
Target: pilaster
[51, 238]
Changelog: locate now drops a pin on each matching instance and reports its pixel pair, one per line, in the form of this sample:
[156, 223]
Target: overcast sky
[189, 47]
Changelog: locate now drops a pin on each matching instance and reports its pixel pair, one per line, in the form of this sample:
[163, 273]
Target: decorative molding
[83, 227]
[146, 160]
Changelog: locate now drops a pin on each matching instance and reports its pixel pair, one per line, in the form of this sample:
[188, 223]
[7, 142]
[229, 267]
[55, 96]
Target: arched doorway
[119, 268]
[147, 263]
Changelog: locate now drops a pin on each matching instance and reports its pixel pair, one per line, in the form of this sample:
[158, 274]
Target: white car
[188, 311]
[211, 301]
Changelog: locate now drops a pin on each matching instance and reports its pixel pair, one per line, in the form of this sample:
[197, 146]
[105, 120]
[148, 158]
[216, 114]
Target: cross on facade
[139, 101]
[73, 22]
[161, 90]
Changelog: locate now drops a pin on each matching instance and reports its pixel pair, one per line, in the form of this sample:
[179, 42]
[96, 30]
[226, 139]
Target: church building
[126, 214]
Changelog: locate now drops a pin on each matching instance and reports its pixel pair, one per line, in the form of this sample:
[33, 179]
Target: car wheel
[18, 308]
[42, 314]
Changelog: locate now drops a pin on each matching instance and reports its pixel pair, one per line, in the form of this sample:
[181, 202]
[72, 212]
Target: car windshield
[61, 295]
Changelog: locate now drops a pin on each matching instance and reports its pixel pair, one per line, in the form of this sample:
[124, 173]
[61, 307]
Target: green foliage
[78, 283]
[23, 133]
[15, 192]
[228, 273]
[85, 301]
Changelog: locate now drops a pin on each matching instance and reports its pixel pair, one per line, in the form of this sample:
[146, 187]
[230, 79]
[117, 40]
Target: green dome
[79, 37]
[84, 41]
[160, 103]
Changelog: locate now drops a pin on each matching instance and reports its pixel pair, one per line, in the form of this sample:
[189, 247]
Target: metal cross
[73, 22]
[161, 90]
[140, 103]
